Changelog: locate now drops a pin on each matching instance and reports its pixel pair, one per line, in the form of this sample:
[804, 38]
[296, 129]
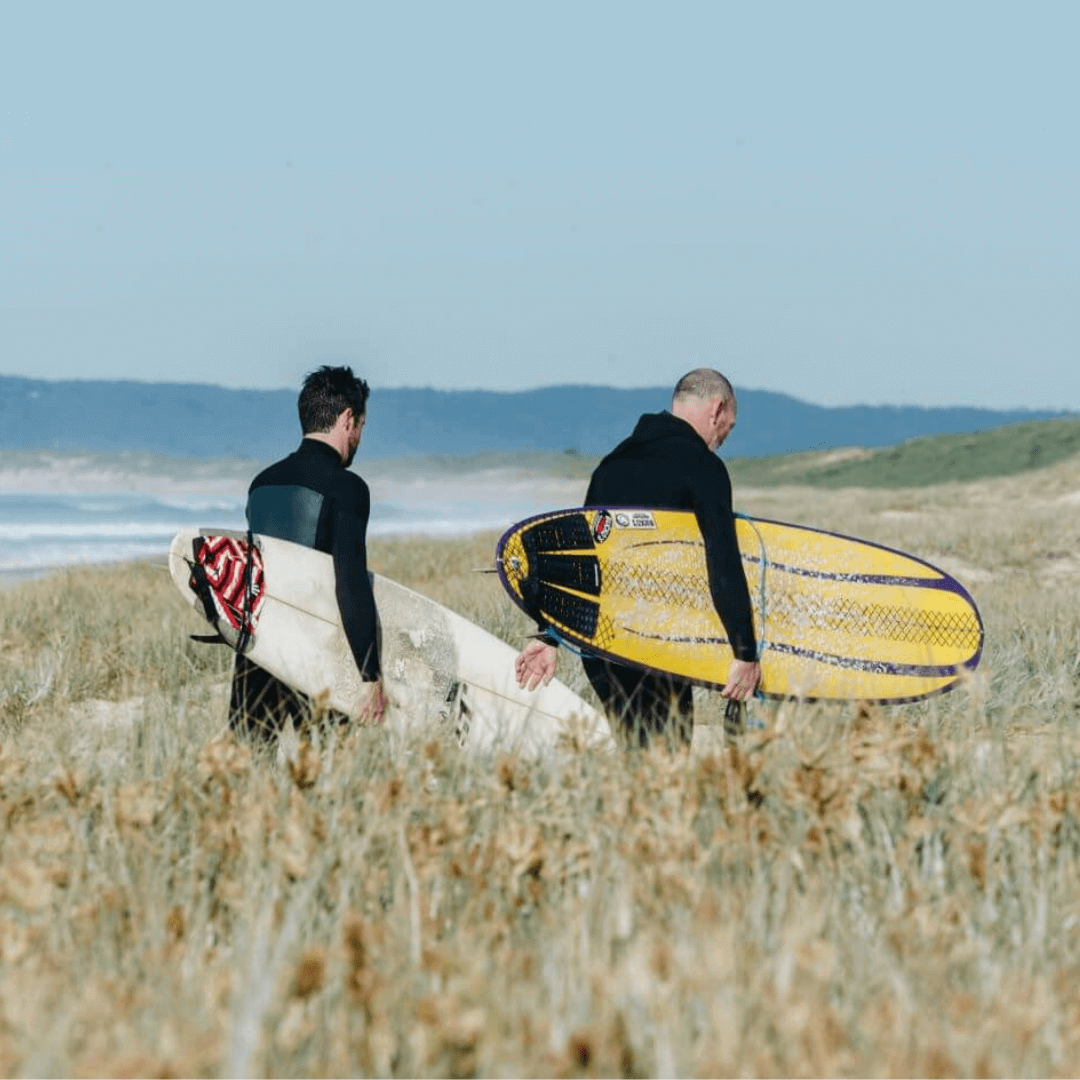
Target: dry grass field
[851, 890]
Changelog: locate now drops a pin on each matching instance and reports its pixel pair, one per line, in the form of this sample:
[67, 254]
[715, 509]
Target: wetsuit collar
[317, 446]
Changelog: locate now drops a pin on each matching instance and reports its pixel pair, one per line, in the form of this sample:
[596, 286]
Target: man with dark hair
[669, 463]
[311, 498]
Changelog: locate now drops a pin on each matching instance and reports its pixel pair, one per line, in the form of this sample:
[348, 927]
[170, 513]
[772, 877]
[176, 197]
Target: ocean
[40, 531]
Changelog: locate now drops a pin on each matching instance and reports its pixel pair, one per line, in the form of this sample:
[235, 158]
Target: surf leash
[762, 594]
[742, 720]
[245, 635]
[550, 636]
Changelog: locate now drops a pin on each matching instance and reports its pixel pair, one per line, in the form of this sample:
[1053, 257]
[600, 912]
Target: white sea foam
[105, 505]
[42, 530]
[205, 504]
[100, 530]
[436, 526]
[46, 556]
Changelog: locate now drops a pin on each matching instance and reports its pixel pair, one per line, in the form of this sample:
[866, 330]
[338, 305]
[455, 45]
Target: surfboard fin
[738, 720]
[734, 719]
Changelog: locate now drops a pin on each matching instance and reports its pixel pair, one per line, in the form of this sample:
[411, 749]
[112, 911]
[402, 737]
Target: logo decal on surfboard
[635, 519]
[601, 529]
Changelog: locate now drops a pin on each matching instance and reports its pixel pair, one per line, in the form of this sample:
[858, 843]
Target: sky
[852, 203]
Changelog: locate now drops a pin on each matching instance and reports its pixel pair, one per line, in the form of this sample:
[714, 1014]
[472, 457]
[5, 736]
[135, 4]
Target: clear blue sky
[850, 202]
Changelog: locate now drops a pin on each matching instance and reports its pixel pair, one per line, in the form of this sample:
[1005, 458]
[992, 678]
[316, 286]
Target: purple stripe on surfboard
[851, 663]
[943, 581]
[900, 699]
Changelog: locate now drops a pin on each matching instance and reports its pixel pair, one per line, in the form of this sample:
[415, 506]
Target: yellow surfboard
[836, 618]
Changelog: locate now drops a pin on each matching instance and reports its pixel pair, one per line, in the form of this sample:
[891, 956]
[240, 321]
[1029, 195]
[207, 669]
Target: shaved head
[702, 384]
[706, 401]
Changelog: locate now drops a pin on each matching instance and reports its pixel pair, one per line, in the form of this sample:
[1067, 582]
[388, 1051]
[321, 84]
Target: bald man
[670, 463]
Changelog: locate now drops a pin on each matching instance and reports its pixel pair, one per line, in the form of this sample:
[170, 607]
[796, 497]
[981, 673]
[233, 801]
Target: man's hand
[535, 664]
[374, 704]
[742, 680]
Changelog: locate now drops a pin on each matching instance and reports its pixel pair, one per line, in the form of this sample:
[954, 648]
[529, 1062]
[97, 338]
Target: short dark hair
[326, 394]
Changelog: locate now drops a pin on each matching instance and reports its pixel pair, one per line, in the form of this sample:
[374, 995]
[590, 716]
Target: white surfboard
[441, 672]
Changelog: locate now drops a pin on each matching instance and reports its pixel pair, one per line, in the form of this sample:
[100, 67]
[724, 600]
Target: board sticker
[635, 519]
[601, 529]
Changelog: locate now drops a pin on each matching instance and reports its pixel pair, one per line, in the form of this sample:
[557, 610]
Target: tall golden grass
[853, 890]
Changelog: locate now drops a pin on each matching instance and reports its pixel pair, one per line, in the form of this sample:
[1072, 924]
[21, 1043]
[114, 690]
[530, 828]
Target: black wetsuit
[312, 499]
[665, 464]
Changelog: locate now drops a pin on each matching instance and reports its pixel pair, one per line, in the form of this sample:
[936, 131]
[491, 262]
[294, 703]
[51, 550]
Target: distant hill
[940, 459]
[191, 420]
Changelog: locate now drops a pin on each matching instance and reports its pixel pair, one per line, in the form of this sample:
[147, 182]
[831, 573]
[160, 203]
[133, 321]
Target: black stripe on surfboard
[580, 572]
[571, 533]
[574, 612]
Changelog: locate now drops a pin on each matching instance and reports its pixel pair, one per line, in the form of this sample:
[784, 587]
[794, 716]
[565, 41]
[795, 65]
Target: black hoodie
[666, 465]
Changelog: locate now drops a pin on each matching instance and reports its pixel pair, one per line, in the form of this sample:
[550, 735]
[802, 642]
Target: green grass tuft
[941, 459]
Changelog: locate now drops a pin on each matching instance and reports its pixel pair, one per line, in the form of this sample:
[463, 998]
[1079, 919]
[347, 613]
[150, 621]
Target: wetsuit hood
[663, 425]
